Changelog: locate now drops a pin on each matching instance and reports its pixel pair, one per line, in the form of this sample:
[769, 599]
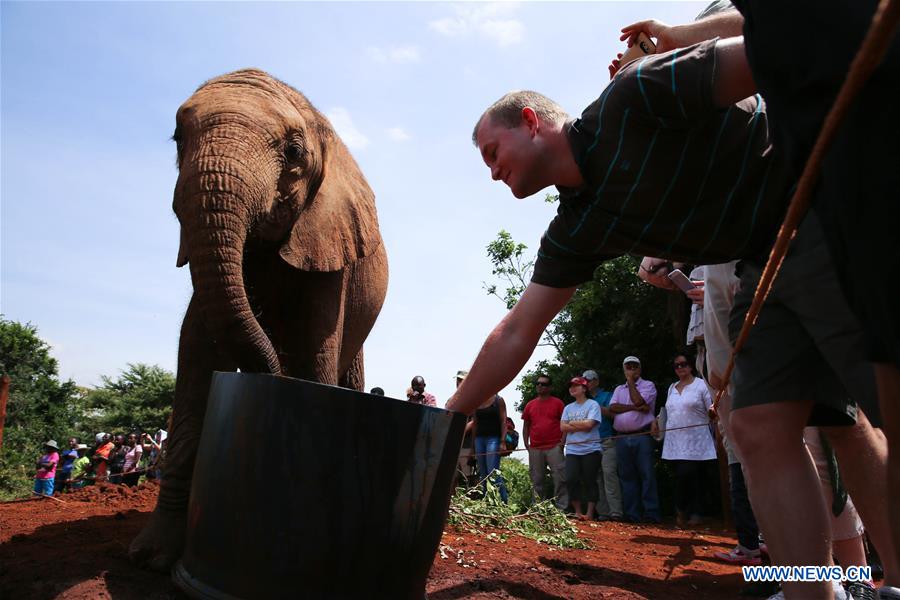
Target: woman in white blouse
[688, 450]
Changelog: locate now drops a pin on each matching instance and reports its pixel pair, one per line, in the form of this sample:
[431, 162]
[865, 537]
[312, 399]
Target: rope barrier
[612, 437]
[870, 54]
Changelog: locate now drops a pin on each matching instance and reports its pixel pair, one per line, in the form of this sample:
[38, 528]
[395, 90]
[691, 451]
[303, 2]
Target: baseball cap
[461, 374]
[590, 374]
[578, 381]
[633, 359]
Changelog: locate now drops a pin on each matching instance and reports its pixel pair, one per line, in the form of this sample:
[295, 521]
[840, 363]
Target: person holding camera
[417, 394]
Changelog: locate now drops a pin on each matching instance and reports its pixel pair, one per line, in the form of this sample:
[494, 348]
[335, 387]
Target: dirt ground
[78, 549]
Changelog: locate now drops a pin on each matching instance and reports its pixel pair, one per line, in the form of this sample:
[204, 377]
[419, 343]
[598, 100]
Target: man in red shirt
[544, 442]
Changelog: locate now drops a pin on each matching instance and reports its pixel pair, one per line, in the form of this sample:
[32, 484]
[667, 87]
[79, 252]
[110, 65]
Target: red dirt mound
[76, 548]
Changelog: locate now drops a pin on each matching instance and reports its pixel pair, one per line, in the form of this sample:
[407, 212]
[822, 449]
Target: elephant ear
[339, 224]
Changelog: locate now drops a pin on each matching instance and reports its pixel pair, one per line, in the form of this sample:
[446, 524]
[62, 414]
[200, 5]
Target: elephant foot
[161, 542]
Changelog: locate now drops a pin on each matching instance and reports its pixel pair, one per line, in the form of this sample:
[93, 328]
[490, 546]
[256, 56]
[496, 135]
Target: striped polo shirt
[667, 173]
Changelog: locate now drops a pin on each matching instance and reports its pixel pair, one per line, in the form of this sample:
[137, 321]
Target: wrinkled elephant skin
[288, 267]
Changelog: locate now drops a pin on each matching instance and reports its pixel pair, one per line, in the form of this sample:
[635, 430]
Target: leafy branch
[540, 521]
[514, 268]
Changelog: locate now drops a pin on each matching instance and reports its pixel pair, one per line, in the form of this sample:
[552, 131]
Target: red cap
[578, 381]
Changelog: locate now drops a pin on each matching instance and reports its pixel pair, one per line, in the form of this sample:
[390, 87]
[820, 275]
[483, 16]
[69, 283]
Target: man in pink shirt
[632, 406]
[46, 469]
[543, 439]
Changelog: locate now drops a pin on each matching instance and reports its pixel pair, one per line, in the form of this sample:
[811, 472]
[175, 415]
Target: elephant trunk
[216, 248]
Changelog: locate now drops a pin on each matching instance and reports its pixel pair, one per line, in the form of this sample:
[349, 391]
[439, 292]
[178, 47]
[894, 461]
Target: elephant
[288, 267]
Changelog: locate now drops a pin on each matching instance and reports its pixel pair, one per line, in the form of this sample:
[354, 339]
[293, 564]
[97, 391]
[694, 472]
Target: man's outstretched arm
[509, 345]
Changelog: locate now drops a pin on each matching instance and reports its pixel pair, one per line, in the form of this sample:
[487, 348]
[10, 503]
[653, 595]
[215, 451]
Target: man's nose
[495, 173]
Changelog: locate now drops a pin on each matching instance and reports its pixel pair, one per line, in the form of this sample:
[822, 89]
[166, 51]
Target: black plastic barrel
[305, 490]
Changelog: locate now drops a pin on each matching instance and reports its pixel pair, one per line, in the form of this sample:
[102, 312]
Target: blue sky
[89, 94]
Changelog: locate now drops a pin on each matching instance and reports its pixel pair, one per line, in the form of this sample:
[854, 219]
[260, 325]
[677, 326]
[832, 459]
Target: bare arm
[583, 424]
[509, 345]
[618, 409]
[635, 395]
[526, 431]
[733, 80]
[724, 25]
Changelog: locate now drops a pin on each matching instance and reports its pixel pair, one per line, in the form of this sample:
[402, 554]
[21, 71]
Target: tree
[612, 316]
[40, 407]
[508, 258]
[140, 399]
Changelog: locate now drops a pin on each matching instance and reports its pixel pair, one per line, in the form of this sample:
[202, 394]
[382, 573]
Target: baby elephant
[288, 266]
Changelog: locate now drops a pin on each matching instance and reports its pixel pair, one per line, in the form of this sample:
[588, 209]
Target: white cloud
[504, 33]
[395, 54]
[487, 21]
[450, 26]
[343, 124]
[398, 134]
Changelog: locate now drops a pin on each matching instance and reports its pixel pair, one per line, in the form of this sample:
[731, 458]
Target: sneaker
[839, 593]
[861, 590]
[740, 556]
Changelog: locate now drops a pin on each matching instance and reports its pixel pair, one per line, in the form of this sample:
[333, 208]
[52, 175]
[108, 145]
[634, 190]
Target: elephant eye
[295, 153]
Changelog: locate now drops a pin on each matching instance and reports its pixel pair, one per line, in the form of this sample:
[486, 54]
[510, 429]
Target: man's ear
[531, 120]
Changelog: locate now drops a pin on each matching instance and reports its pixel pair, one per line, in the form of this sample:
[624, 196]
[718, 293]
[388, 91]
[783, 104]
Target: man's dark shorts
[800, 53]
[806, 344]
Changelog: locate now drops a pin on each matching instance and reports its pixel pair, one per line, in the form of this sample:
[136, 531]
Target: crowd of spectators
[601, 447]
[115, 458]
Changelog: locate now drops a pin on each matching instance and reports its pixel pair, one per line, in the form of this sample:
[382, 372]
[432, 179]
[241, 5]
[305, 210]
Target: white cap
[633, 359]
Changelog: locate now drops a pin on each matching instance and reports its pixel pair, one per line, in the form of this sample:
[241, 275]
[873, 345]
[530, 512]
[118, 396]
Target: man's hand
[666, 36]
[630, 375]
[615, 65]
[696, 294]
[725, 24]
[654, 271]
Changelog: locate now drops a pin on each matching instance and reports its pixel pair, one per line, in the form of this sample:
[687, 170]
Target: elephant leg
[161, 541]
[313, 334]
[355, 377]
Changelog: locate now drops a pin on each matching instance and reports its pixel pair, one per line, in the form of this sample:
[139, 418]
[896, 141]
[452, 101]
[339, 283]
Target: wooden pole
[4, 396]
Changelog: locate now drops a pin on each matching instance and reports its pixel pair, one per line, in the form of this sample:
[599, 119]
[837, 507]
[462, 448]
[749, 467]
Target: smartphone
[641, 47]
[681, 281]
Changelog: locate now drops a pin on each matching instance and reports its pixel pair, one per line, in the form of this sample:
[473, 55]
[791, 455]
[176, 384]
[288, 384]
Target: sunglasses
[543, 383]
[681, 365]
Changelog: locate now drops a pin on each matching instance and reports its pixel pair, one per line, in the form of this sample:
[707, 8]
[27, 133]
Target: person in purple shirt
[632, 405]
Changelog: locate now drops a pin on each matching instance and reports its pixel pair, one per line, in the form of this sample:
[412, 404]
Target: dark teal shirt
[606, 424]
[666, 172]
